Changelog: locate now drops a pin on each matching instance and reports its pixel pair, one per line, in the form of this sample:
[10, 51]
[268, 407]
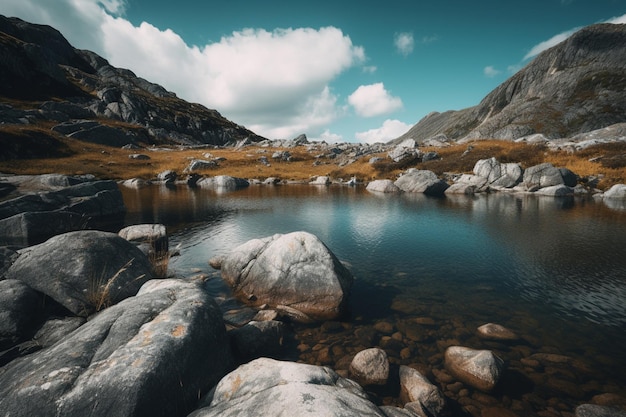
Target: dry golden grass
[608, 161]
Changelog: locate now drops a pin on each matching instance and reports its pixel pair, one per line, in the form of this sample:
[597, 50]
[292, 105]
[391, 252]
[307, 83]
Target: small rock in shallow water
[494, 331]
[480, 369]
[370, 367]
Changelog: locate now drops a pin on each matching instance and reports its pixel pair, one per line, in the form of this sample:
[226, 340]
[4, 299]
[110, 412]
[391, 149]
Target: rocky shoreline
[86, 329]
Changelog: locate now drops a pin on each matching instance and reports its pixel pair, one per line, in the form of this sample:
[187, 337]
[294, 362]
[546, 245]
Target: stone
[461, 188]
[136, 183]
[83, 271]
[382, 186]
[370, 367]
[542, 175]
[20, 311]
[152, 354]
[167, 177]
[591, 410]
[256, 339]
[406, 149]
[430, 156]
[556, 191]
[570, 179]
[199, 165]
[616, 191]
[494, 331]
[498, 174]
[155, 235]
[139, 156]
[293, 273]
[223, 182]
[421, 181]
[267, 387]
[427, 399]
[480, 369]
[7, 257]
[33, 227]
[321, 180]
[391, 411]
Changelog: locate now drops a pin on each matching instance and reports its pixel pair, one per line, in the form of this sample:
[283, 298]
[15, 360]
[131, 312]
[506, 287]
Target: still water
[553, 270]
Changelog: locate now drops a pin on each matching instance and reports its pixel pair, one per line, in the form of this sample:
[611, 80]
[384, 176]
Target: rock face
[497, 174]
[478, 368]
[19, 308]
[370, 367]
[266, 387]
[90, 95]
[294, 273]
[574, 87]
[83, 271]
[152, 354]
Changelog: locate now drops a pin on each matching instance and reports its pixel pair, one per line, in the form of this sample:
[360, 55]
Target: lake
[553, 270]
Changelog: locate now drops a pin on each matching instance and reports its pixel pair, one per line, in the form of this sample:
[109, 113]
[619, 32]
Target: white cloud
[404, 43]
[490, 71]
[390, 129]
[273, 82]
[370, 69]
[329, 137]
[373, 100]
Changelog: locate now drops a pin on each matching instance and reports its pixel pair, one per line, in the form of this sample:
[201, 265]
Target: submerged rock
[293, 273]
[480, 369]
[151, 355]
[266, 387]
[496, 332]
[422, 397]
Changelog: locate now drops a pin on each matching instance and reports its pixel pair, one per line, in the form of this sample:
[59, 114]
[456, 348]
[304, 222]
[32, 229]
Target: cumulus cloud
[404, 43]
[491, 71]
[329, 137]
[273, 82]
[390, 130]
[373, 100]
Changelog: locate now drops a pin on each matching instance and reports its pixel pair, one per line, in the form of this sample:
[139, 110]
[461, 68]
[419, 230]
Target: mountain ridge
[44, 79]
[574, 87]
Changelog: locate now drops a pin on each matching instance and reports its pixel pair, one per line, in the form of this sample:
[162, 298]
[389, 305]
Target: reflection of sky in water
[542, 251]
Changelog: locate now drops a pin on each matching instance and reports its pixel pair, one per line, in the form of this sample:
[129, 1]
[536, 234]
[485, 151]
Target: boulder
[256, 339]
[294, 273]
[223, 182]
[84, 271]
[382, 186]
[370, 367]
[320, 180]
[430, 156]
[266, 387]
[422, 397]
[616, 191]
[136, 183]
[33, 227]
[154, 235]
[406, 149]
[150, 355]
[591, 410]
[167, 177]
[461, 188]
[540, 176]
[7, 257]
[498, 174]
[480, 369]
[199, 164]
[139, 156]
[20, 310]
[570, 179]
[494, 331]
[556, 191]
[421, 181]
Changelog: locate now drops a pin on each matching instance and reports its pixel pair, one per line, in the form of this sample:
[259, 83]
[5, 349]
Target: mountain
[574, 87]
[44, 81]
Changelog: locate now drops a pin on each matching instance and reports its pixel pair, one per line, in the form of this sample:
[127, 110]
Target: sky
[335, 70]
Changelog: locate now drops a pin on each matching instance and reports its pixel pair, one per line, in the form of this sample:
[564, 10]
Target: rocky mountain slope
[575, 87]
[44, 81]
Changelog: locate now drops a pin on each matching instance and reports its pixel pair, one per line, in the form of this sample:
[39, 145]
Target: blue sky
[335, 70]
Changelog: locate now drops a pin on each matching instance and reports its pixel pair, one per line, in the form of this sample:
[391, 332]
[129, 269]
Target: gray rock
[266, 387]
[461, 188]
[376, 159]
[406, 149]
[498, 174]
[167, 177]
[223, 182]
[591, 410]
[320, 180]
[616, 191]
[430, 156]
[542, 175]
[7, 257]
[294, 273]
[155, 235]
[370, 367]
[20, 310]
[256, 339]
[136, 183]
[199, 164]
[84, 271]
[153, 354]
[31, 228]
[421, 181]
[56, 329]
[390, 411]
[556, 191]
[425, 399]
[382, 186]
[139, 156]
[570, 179]
[480, 369]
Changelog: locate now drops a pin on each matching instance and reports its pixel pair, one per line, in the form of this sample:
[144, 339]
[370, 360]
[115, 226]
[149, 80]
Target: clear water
[553, 270]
